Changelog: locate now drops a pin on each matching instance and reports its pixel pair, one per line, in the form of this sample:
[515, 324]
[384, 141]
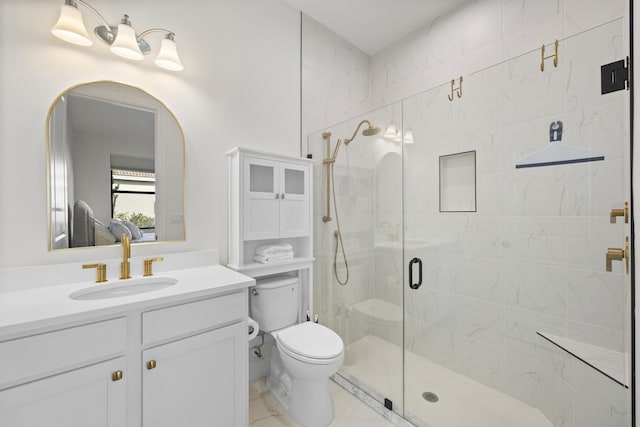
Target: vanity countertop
[35, 309]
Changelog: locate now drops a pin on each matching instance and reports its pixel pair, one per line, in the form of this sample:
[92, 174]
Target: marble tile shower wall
[335, 78]
[478, 35]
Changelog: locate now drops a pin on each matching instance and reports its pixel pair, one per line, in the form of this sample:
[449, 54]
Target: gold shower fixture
[331, 191]
[331, 158]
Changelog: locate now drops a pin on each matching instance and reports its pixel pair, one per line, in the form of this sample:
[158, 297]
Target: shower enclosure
[478, 291]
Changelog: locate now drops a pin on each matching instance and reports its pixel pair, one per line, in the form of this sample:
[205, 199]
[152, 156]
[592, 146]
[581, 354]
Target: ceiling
[372, 25]
[91, 118]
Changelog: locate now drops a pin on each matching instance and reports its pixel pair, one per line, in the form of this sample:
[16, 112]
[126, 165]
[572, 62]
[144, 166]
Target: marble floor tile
[265, 411]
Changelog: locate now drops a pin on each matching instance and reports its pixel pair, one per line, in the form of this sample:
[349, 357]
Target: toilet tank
[274, 302]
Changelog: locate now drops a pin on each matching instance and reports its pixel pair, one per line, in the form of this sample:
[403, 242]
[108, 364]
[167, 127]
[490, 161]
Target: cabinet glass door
[261, 198]
[294, 207]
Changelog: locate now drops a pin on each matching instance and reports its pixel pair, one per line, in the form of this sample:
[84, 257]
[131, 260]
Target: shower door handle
[419, 283]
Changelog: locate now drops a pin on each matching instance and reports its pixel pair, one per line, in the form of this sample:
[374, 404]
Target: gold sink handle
[101, 271]
[148, 270]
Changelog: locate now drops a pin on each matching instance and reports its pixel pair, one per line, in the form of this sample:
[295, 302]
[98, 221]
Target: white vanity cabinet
[180, 362]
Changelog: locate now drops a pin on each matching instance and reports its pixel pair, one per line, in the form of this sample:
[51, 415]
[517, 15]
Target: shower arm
[348, 140]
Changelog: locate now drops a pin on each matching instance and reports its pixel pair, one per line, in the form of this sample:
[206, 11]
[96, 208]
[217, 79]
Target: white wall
[240, 86]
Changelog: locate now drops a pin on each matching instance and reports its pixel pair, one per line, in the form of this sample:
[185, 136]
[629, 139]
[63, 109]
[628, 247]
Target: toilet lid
[311, 340]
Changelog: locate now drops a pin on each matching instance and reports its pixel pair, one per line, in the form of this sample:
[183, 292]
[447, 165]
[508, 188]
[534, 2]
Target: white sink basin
[123, 288]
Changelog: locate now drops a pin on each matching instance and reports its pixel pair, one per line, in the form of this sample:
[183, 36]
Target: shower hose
[338, 236]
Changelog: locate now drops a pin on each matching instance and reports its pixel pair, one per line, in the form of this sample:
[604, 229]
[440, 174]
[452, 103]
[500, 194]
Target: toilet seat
[310, 342]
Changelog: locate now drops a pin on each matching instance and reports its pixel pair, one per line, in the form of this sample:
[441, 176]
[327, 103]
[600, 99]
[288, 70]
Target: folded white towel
[266, 250]
[283, 256]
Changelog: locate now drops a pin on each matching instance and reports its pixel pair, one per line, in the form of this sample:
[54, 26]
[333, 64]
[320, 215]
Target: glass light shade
[125, 44]
[391, 131]
[408, 137]
[70, 26]
[168, 56]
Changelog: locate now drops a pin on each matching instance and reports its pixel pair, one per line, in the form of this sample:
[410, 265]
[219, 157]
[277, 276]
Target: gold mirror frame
[113, 100]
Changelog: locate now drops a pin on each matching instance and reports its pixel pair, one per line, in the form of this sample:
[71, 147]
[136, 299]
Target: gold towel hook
[554, 56]
[457, 90]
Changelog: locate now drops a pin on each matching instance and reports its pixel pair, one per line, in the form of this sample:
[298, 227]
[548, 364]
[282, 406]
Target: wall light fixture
[123, 39]
[394, 134]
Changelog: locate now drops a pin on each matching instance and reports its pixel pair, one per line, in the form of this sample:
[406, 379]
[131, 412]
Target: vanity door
[94, 395]
[197, 381]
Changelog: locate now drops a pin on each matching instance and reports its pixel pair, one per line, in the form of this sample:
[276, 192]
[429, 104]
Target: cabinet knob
[277, 195]
[117, 376]
[151, 364]
[282, 197]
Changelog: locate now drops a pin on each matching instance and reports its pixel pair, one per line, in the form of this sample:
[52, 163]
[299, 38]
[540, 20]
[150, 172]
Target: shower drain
[430, 397]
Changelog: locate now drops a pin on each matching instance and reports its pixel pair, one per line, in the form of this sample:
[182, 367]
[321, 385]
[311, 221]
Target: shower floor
[462, 402]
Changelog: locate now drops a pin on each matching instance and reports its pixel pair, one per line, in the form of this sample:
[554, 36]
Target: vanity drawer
[185, 319]
[36, 356]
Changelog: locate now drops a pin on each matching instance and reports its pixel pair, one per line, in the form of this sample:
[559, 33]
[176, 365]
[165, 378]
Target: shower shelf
[608, 362]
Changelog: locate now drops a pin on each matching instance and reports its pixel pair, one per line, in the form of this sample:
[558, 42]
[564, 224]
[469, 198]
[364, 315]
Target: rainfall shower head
[369, 131]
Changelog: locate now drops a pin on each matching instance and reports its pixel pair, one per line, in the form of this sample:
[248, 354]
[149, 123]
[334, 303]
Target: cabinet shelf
[256, 269]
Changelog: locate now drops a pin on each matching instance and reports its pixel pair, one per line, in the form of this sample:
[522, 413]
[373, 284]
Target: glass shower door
[358, 251]
[513, 259]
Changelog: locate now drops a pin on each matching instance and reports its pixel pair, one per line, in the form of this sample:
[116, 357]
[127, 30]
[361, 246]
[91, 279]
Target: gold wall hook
[554, 56]
[455, 90]
[624, 212]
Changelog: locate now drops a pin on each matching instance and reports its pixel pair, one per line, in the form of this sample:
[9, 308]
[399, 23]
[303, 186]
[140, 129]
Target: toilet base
[311, 403]
[308, 402]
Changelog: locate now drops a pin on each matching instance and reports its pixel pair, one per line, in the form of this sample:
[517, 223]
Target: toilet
[305, 355]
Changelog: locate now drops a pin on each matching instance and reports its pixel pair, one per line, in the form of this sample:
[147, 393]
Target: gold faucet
[125, 272]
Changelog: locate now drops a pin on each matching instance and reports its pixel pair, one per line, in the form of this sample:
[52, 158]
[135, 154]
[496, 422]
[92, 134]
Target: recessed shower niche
[458, 182]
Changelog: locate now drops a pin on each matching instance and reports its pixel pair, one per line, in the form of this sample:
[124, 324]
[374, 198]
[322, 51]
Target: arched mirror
[115, 166]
